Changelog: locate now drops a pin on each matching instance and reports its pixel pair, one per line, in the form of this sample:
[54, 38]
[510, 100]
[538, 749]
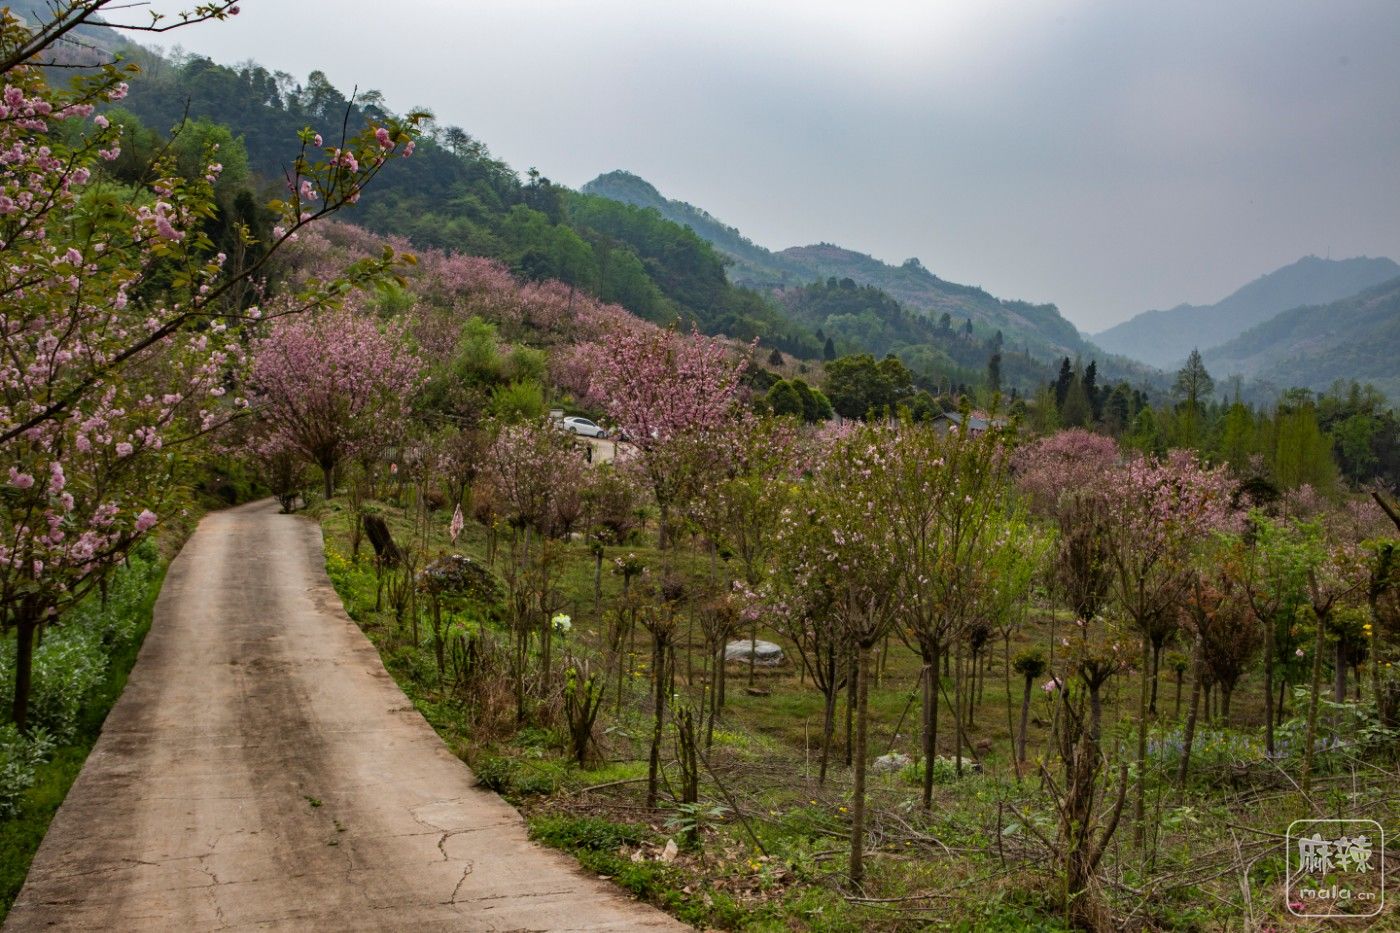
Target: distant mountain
[1036, 328]
[1165, 338]
[1354, 338]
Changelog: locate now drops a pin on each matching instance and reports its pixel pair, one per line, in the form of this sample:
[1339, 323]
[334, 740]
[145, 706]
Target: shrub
[20, 756]
[584, 832]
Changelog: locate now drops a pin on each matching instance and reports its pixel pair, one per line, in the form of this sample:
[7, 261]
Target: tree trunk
[1339, 680]
[1225, 692]
[1149, 673]
[658, 657]
[1269, 651]
[1191, 713]
[1156, 665]
[26, 627]
[929, 672]
[828, 729]
[852, 663]
[935, 687]
[1006, 676]
[1310, 738]
[957, 710]
[328, 474]
[1025, 724]
[858, 791]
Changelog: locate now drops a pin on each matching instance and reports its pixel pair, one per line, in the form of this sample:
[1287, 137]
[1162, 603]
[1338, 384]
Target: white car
[583, 427]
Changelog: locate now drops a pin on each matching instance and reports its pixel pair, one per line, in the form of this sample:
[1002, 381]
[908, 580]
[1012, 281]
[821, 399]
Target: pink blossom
[382, 135]
[20, 480]
[145, 521]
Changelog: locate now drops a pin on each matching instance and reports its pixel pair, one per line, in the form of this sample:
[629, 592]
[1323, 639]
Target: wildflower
[562, 623]
[1299, 652]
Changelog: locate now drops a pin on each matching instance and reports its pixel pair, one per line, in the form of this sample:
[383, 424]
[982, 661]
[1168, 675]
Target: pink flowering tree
[840, 544]
[947, 496]
[121, 323]
[1069, 462]
[747, 481]
[534, 473]
[333, 385]
[1160, 513]
[665, 391]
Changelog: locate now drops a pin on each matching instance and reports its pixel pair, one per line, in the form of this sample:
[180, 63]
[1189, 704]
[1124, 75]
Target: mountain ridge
[1164, 338]
[1036, 328]
[1357, 337]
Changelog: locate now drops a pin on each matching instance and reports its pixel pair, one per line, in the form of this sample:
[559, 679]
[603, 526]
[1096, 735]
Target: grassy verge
[21, 834]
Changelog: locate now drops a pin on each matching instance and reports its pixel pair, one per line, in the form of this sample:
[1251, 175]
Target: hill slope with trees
[1037, 329]
[1165, 338]
[1357, 338]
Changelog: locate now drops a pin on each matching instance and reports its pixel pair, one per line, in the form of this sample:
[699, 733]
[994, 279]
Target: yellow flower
[842, 809]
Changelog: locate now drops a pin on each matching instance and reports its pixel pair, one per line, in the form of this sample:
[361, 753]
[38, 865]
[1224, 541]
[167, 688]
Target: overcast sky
[1107, 156]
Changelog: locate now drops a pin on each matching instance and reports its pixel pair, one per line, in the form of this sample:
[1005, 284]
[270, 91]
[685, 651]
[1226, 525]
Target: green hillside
[1357, 338]
[1165, 338]
[1037, 329]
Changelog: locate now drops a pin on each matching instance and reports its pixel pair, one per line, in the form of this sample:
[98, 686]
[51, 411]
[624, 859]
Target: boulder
[763, 652]
[891, 762]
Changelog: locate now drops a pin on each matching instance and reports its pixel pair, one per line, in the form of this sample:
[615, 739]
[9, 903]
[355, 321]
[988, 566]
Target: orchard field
[1071, 659]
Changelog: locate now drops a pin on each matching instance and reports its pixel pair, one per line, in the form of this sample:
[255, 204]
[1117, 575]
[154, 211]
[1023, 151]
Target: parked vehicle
[583, 427]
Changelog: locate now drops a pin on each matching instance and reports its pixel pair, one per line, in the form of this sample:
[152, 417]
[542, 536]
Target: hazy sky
[1107, 156]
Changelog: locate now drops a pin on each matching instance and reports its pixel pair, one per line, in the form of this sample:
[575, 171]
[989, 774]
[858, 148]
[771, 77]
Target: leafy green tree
[783, 399]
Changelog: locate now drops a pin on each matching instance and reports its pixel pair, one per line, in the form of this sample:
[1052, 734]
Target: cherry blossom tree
[841, 539]
[531, 470]
[945, 495]
[1159, 511]
[333, 385]
[665, 391]
[1069, 462]
[121, 323]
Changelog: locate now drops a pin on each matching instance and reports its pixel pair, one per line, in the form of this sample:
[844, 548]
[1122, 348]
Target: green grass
[20, 837]
[766, 751]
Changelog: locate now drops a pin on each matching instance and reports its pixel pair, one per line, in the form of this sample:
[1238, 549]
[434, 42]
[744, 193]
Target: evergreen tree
[829, 350]
[783, 399]
[994, 372]
[1091, 389]
[1062, 382]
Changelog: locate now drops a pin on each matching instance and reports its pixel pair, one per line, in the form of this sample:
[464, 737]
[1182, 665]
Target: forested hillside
[455, 195]
[1357, 338]
[1037, 329]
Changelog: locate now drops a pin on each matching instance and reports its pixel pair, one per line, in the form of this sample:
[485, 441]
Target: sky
[1109, 157]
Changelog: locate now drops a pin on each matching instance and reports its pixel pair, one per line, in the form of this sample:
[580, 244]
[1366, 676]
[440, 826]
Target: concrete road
[262, 770]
